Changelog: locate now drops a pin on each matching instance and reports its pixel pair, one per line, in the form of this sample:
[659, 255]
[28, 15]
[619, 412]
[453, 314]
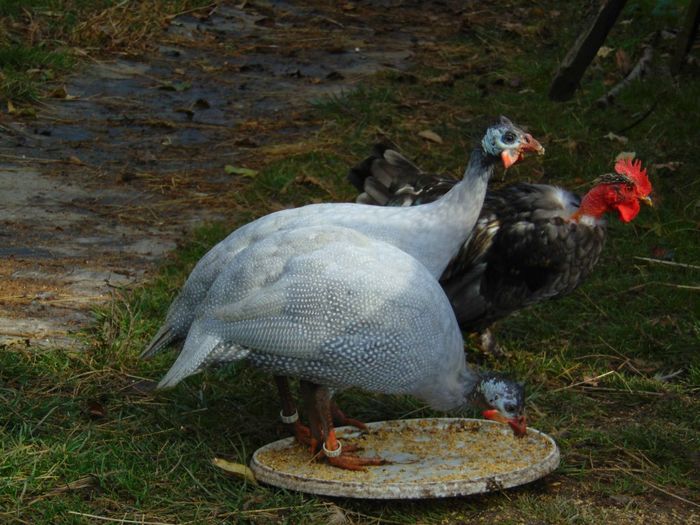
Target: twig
[620, 391]
[194, 9]
[670, 285]
[121, 520]
[584, 381]
[667, 263]
[41, 421]
[638, 71]
[660, 489]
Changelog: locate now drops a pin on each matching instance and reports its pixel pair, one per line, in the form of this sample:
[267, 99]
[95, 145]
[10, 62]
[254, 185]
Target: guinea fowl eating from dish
[531, 242]
[432, 234]
[337, 310]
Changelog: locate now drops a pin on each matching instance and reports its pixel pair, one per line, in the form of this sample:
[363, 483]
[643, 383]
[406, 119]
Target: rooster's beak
[647, 200]
[518, 424]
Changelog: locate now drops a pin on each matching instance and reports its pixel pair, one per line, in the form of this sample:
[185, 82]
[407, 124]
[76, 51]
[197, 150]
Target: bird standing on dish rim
[337, 309]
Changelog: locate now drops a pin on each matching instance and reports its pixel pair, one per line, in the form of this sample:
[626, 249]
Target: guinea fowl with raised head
[338, 309]
[432, 234]
[531, 242]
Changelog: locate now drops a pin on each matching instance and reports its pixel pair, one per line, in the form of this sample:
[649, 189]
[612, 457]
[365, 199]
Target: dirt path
[105, 181]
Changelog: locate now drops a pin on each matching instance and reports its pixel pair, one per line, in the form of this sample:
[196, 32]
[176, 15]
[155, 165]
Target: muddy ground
[116, 170]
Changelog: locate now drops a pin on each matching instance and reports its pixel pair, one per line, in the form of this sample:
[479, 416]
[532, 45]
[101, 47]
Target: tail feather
[387, 178]
[203, 347]
[165, 337]
[190, 360]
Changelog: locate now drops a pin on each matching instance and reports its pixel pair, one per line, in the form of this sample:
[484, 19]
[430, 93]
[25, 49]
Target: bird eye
[509, 137]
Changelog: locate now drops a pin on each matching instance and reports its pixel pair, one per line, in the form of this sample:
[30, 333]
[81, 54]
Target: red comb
[633, 169]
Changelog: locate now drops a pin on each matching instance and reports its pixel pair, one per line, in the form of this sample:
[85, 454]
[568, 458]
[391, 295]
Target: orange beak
[528, 145]
[517, 424]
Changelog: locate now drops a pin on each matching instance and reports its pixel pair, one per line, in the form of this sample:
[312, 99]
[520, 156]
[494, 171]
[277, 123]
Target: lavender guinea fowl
[338, 309]
[532, 241]
[432, 234]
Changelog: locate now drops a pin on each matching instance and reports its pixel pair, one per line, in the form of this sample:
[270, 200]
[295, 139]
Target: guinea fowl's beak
[527, 145]
[518, 424]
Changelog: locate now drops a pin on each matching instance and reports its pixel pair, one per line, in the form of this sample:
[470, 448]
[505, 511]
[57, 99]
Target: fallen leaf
[95, 409]
[74, 160]
[61, 92]
[622, 59]
[237, 469]
[446, 79]
[662, 253]
[604, 51]
[591, 380]
[618, 138]
[430, 135]
[28, 111]
[235, 170]
[571, 145]
[626, 155]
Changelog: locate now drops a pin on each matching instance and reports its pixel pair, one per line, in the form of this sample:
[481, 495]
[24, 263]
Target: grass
[42, 40]
[82, 434]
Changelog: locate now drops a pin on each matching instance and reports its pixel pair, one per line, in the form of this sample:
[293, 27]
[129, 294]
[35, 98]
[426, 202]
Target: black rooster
[532, 241]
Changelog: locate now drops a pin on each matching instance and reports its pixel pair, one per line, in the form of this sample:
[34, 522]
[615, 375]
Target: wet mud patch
[110, 176]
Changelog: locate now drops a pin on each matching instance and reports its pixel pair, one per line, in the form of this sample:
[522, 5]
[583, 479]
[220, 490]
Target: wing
[523, 250]
[300, 303]
[387, 178]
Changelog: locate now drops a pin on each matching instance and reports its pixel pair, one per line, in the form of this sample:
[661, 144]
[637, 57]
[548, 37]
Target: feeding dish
[429, 458]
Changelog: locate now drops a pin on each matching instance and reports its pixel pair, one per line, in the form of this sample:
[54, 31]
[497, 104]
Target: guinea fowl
[338, 309]
[432, 234]
[531, 242]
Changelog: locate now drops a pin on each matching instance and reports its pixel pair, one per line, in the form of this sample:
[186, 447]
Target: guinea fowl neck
[472, 188]
[456, 213]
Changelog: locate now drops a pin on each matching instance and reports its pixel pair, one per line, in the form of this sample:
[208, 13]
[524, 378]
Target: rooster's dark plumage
[531, 242]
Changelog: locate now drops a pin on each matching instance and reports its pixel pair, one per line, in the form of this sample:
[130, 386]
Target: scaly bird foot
[341, 419]
[352, 462]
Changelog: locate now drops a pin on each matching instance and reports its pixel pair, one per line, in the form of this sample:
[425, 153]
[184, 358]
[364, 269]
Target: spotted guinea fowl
[432, 234]
[532, 241]
[338, 309]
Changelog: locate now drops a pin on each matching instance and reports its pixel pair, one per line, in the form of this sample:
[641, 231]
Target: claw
[342, 420]
[353, 462]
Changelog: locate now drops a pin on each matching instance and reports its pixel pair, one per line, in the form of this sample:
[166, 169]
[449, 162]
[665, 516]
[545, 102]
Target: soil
[104, 182]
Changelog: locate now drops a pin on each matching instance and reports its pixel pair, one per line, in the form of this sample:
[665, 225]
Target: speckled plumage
[334, 307]
[522, 250]
[432, 234]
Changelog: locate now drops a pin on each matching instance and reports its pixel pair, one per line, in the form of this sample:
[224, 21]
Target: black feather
[523, 249]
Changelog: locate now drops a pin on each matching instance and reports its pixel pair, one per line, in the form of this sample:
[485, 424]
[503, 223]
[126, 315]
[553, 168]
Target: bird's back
[522, 250]
[329, 305]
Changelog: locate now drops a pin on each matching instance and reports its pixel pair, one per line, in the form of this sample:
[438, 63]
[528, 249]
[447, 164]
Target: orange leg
[338, 456]
[340, 419]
